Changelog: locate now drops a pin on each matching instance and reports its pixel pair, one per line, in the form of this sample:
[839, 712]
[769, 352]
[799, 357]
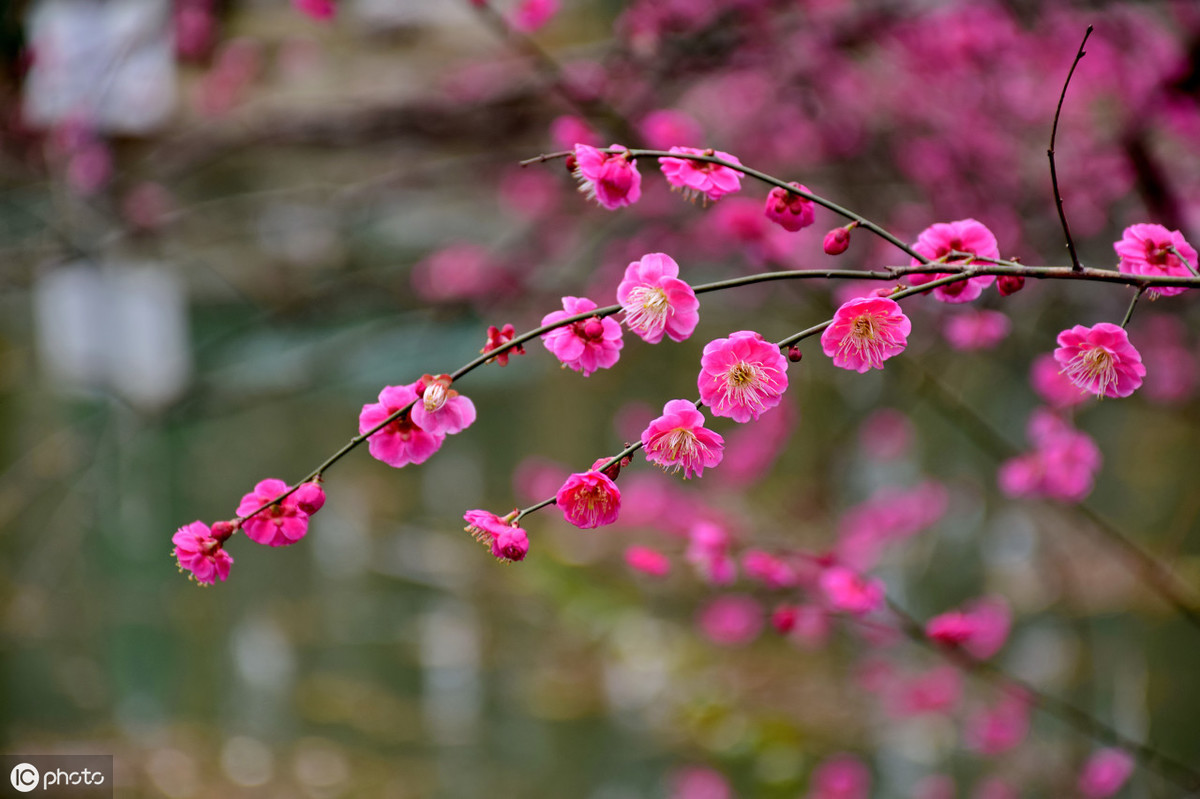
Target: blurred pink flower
[842, 776]
[611, 179]
[586, 345]
[200, 553]
[529, 15]
[976, 330]
[647, 561]
[460, 271]
[589, 499]
[885, 435]
[731, 620]
[321, 10]
[1052, 385]
[1100, 360]
[568, 131]
[866, 332]
[790, 211]
[656, 301]
[981, 628]
[699, 782]
[679, 438]
[742, 376]
[937, 690]
[850, 592]
[665, 128]
[1062, 465]
[708, 551]
[1104, 773]
[701, 178]
[402, 441]
[772, 572]
[1154, 250]
[966, 236]
[1001, 727]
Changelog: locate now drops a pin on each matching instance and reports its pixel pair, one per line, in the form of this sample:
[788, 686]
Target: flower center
[1093, 370]
[647, 309]
[865, 339]
[435, 397]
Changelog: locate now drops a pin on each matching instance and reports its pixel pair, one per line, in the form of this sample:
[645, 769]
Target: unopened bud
[794, 354]
[571, 163]
[223, 530]
[836, 241]
[1010, 284]
[614, 471]
[593, 328]
[309, 497]
[784, 619]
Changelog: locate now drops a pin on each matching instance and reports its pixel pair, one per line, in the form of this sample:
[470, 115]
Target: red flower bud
[836, 241]
[1010, 284]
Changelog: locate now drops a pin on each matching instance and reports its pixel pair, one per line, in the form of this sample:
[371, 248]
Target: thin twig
[1058, 200]
[1133, 304]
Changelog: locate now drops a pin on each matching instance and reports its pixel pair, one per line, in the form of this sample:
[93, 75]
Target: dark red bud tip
[1010, 284]
[223, 530]
[784, 619]
[571, 162]
[836, 241]
[614, 471]
[593, 328]
[794, 354]
[626, 461]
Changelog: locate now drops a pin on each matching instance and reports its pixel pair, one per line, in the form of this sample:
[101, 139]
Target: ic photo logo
[24, 777]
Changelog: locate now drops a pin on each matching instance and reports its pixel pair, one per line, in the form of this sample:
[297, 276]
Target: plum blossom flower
[742, 376]
[699, 782]
[529, 15]
[842, 776]
[769, 570]
[587, 345]
[648, 561]
[1001, 727]
[679, 438]
[442, 410]
[589, 499]
[850, 592]
[201, 553]
[981, 628]
[656, 301]
[1104, 773]
[1154, 250]
[282, 523]
[1100, 360]
[937, 690]
[320, 10]
[976, 330]
[1062, 465]
[506, 541]
[701, 178]
[731, 620]
[837, 241]
[788, 210]
[402, 441]
[498, 337]
[661, 128]
[611, 179]
[937, 241]
[865, 332]
[709, 552]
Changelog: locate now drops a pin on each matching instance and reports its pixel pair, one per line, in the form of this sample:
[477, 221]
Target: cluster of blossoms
[1062, 464]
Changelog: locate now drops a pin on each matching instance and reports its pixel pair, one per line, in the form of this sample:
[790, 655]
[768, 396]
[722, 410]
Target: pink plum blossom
[837, 241]
[278, 525]
[731, 620]
[976, 330]
[401, 441]
[1154, 250]
[701, 178]
[442, 410]
[937, 241]
[891, 514]
[199, 552]
[788, 210]
[842, 776]
[1100, 360]
[886, 435]
[1001, 727]
[586, 345]
[699, 782]
[742, 376]
[589, 499]
[320, 10]
[647, 561]
[981, 628]
[506, 541]
[566, 131]
[1104, 773]
[529, 15]
[1055, 388]
[850, 592]
[937, 690]
[1062, 465]
[709, 552]
[767, 569]
[611, 179]
[497, 337]
[656, 301]
[866, 332]
[309, 497]
[679, 439]
[460, 271]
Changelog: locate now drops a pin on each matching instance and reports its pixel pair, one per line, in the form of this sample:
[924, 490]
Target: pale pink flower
[742, 376]
[656, 301]
[611, 179]
[587, 345]
[976, 330]
[699, 782]
[442, 410]
[566, 131]
[850, 592]
[1055, 388]
[1062, 465]
[320, 10]
[731, 620]
[751, 449]
[529, 15]
[842, 776]
[790, 211]
[769, 570]
[1100, 360]
[937, 690]
[886, 435]
[1104, 773]
[701, 178]
[866, 332]
[506, 541]
[402, 441]
[1154, 250]
[589, 499]
[965, 236]
[679, 439]
[890, 515]
[663, 128]
[460, 271]
[709, 552]
[200, 553]
[1001, 727]
[811, 626]
[279, 525]
[648, 561]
